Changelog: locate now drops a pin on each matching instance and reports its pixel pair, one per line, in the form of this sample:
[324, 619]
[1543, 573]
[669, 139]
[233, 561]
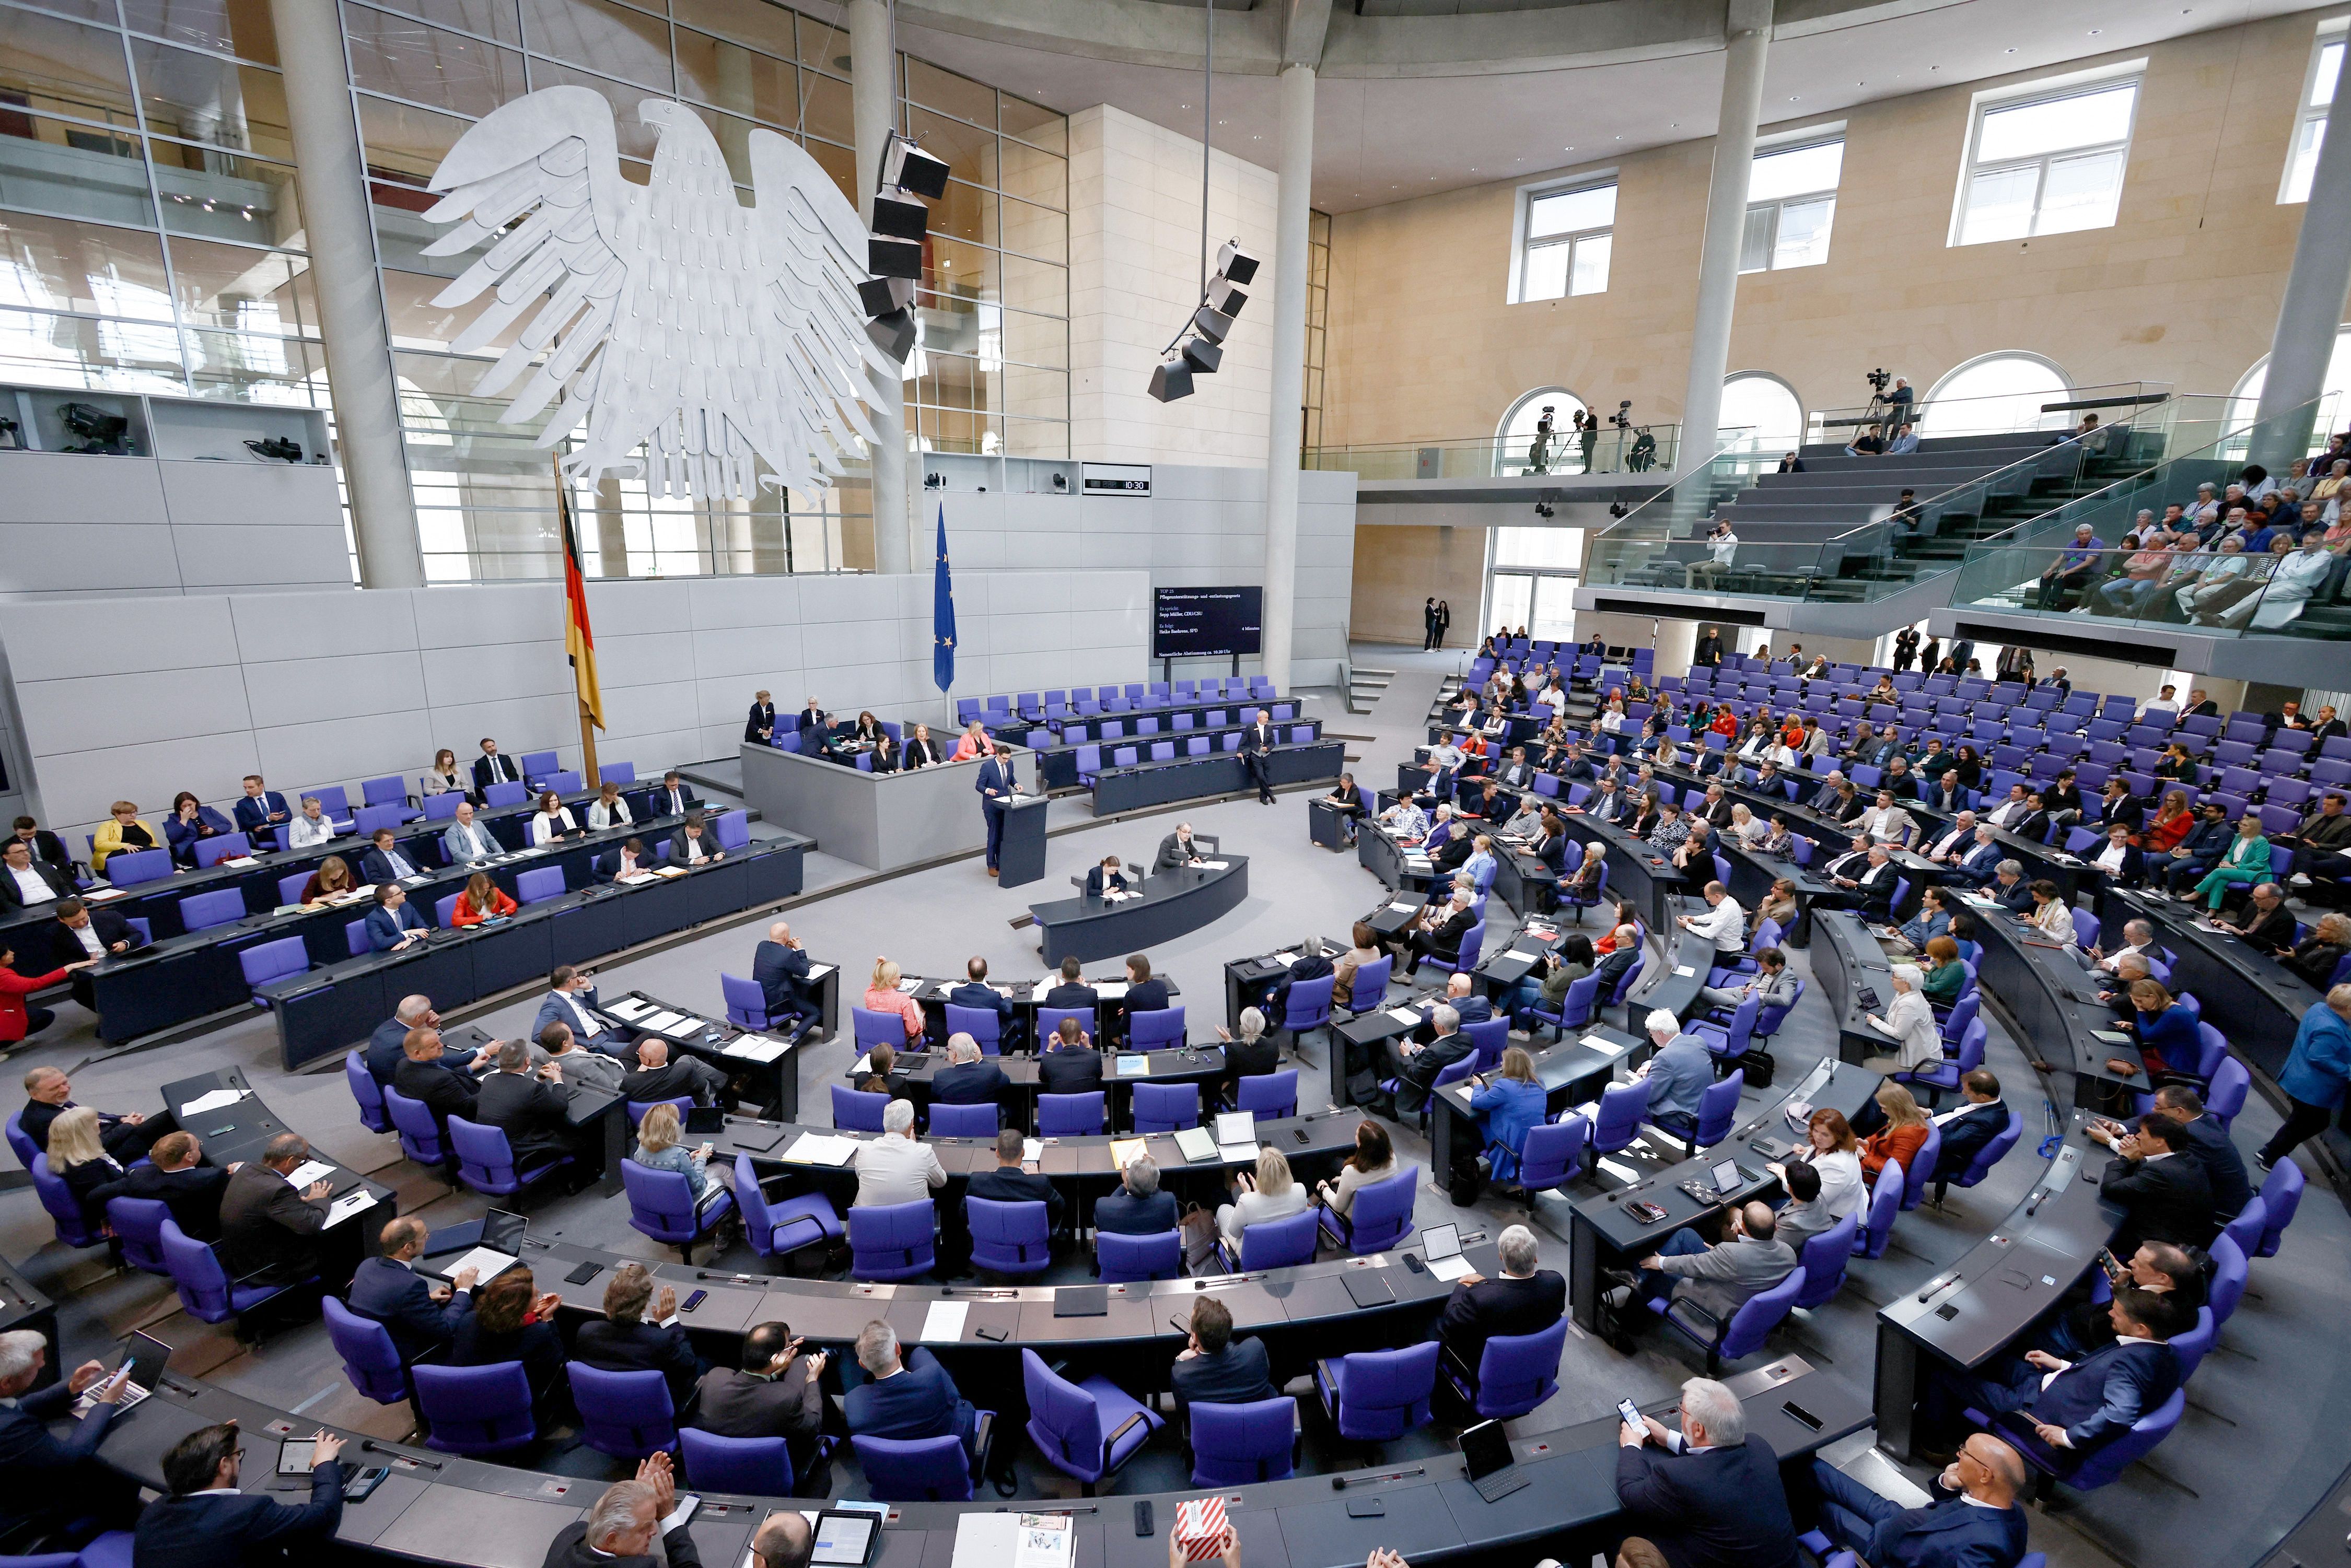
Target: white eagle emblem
[670, 315]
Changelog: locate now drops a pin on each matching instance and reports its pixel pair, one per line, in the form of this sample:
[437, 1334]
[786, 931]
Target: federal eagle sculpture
[670, 316]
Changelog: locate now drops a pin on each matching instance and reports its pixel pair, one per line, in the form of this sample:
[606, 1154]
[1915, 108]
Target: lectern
[1022, 857]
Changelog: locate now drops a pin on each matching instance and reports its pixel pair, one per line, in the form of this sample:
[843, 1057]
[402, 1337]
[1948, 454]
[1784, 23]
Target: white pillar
[1750, 36]
[1286, 427]
[2312, 306]
[341, 241]
[873, 109]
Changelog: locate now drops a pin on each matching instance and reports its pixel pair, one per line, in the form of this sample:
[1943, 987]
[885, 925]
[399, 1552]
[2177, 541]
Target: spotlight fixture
[1197, 348]
[909, 179]
[277, 449]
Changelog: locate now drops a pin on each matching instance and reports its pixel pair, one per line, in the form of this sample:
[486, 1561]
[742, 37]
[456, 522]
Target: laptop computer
[499, 1249]
[1485, 1448]
[145, 1356]
[704, 1119]
[1440, 1246]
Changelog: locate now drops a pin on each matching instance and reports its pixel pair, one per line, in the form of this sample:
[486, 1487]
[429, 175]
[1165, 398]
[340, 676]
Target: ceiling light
[2095, 31]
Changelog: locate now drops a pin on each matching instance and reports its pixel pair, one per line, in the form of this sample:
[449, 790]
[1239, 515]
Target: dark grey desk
[609, 1137]
[1674, 984]
[2052, 996]
[1573, 1072]
[1638, 874]
[773, 1085]
[1027, 996]
[1846, 960]
[23, 1307]
[1203, 1065]
[1146, 784]
[1169, 904]
[1379, 851]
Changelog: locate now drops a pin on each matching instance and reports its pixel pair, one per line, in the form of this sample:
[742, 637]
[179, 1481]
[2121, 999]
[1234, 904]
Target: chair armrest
[1124, 1428]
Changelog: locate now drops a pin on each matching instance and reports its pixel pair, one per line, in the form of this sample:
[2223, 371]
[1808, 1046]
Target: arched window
[1760, 413]
[2248, 395]
[1515, 438]
[1995, 392]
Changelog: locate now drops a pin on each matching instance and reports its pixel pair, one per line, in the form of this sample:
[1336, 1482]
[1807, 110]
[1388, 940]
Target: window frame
[2334, 32]
[1800, 142]
[1523, 244]
[2048, 90]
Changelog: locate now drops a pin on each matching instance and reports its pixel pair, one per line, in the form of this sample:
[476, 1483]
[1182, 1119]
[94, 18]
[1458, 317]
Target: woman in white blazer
[1911, 1022]
[551, 822]
[607, 810]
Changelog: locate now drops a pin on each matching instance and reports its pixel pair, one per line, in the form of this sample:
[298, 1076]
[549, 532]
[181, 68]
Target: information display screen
[1206, 623]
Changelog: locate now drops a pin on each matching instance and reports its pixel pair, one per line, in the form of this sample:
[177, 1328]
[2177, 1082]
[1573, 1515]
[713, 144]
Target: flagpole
[588, 769]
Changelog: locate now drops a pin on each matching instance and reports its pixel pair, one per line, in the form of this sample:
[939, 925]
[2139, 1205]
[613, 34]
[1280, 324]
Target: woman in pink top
[975, 743]
[883, 996]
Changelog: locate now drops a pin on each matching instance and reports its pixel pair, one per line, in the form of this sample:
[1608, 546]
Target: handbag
[1199, 1227]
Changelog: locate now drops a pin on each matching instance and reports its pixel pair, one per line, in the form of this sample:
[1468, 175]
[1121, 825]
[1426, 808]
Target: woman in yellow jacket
[120, 834]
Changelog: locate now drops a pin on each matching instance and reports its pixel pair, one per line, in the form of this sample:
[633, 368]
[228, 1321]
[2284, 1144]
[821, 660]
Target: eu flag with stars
[942, 613]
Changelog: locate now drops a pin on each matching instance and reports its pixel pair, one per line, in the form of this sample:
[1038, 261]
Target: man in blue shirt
[391, 925]
[1677, 1075]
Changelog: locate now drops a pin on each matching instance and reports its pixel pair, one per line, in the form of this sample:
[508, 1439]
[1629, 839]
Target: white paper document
[686, 1027]
[1603, 1044]
[1013, 1541]
[819, 1149]
[662, 1022]
[1405, 1016]
[1285, 959]
[1111, 990]
[1406, 908]
[818, 971]
[350, 1203]
[1032, 1150]
[1684, 970]
[1451, 1268]
[212, 1100]
[309, 1171]
[758, 1048]
[487, 1262]
[944, 1322]
[1212, 865]
[1522, 956]
[628, 1008]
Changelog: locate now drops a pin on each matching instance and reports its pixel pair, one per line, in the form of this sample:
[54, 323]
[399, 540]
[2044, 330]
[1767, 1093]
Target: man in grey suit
[578, 1068]
[468, 839]
[1178, 848]
[1772, 986]
[1719, 1279]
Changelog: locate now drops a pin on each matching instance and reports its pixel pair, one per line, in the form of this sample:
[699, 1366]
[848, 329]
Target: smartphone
[1632, 1415]
[1143, 1516]
[694, 1300]
[2110, 1264]
[1802, 1416]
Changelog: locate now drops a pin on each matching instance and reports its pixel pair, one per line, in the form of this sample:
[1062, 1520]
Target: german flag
[578, 641]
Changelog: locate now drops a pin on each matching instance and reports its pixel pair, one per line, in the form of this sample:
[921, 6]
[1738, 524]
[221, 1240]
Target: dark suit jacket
[781, 973]
[383, 1053]
[678, 855]
[33, 1463]
[1310, 967]
[640, 1347]
[1071, 997]
[1950, 1533]
[386, 928]
[402, 1300]
[1611, 970]
[499, 770]
[1007, 1185]
[1256, 741]
[12, 898]
[921, 753]
[607, 866]
[1095, 882]
[1240, 1373]
[374, 867]
[230, 1532]
[1123, 1214]
[253, 814]
[1500, 1305]
[981, 1082]
[194, 1196]
[920, 1402]
[1172, 853]
[680, 1078]
[1077, 1070]
[981, 998]
[763, 717]
[2206, 1142]
[1150, 996]
[570, 1549]
[446, 1094]
[50, 850]
[734, 1404]
[2089, 1397]
[661, 802]
[266, 1230]
[2165, 1201]
[1724, 1507]
[530, 1110]
[1965, 1137]
[109, 927]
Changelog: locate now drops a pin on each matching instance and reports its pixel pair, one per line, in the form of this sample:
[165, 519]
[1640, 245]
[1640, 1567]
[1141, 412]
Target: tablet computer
[845, 1540]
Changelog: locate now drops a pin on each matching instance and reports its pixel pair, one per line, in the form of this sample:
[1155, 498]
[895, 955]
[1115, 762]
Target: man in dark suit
[2060, 1421]
[2163, 1194]
[571, 1001]
[673, 798]
[1710, 1495]
[620, 1531]
[261, 811]
[1178, 849]
[1311, 965]
[1440, 931]
[659, 1078]
[1974, 1521]
[422, 1077]
[622, 1341]
[1622, 958]
[778, 1392]
[393, 925]
[82, 932]
[1415, 1066]
[1468, 1003]
[760, 727]
[1013, 1182]
[1981, 862]
[1144, 992]
[2206, 1143]
[48, 848]
[1138, 1207]
[387, 861]
[417, 1314]
[1216, 1368]
[969, 1078]
[1070, 1065]
[127, 1135]
[977, 995]
[42, 1477]
[383, 1055]
[1257, 747]
[268, 1229]
[174, 1179]
[206, 1522]
[494, 766]
[997, 784]
[26, 881]
[1074, 991]
[1971, 1129]
[525, 1106]
[780, 967]
[1527, 1299]
[693, 843]
[904, 1398]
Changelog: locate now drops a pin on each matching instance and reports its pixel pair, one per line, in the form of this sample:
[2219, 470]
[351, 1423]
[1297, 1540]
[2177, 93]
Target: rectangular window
[1791, 205]
[2051, 163]
[1569, 235]
[2310, 131]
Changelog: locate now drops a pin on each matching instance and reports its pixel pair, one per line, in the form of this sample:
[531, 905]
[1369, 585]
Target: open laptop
[498, 1249]
[145, 1356]
[1440, 1246]
[703, 1120]
[1492, 1470]
[1236, 1134]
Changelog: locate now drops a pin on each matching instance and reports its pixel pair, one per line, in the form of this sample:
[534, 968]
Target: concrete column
[874, 107]
[2312, 306]
[1286, 427]
[1749, 38]
[341, 241]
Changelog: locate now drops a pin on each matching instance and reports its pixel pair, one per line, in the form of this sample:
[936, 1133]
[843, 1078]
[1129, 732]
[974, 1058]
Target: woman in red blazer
[20, 1017]
[482, 900]
[1904, 1134]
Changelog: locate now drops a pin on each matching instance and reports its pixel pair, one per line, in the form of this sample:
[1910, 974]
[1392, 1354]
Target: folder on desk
[1196, 1145]
[628, 1009]
[1133, 1064]
[1125, 1151]
[1367, 1288]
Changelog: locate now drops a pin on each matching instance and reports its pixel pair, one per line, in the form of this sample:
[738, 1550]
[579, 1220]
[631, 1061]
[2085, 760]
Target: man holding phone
[42, 1475]
[776, 1393]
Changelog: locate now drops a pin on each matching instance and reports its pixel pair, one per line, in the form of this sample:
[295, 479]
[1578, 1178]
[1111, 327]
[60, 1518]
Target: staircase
[1365, 687]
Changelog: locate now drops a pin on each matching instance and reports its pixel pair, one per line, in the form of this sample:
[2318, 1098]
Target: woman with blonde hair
[658, 1148]
[1272, 1194]
[1904, 1134]
[122, 833]
[333, 876]
[77, 1156]
[1510, 1105]
[607, 810]
[482, 900]
[883, 996]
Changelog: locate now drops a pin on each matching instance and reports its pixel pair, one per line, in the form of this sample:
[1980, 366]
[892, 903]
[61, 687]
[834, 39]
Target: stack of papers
[1111, 990]
[944, 1321]
[212, 1100]
[1405, 1016]
[1603, 1044]
[1284, 959]
[1013, 1541]
[1406, 908]
[308, 1172]
[910, 986]
[628, 1008]
[1212, 865]
[487, 1262]
[820, 1149]
[686, 1028]
[350, 1203]
[756, 1047]
[1523, 955]
[661, 1022]
[818, 971]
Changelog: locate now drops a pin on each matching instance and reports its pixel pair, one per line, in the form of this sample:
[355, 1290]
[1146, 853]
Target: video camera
[276, 448]
[1623, 419]
[1877, 379]
[98, 430]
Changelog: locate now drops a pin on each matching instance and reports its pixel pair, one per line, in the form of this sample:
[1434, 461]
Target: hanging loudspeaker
[908, 167]
[888, 257]
[1203, 356]
[1235, 263]
[1211, 323]
[900, 218]
[1170, 380]
[1225, 297]
[883, 295]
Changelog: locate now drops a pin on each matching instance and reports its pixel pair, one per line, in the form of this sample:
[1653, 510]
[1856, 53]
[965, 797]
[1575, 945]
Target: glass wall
[1533, 583]
[151, 239]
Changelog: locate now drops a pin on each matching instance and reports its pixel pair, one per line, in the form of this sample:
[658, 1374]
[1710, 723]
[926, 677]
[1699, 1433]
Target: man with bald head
[780, 966]
[1973, 1522]
[385, 1048]
[659, 1078]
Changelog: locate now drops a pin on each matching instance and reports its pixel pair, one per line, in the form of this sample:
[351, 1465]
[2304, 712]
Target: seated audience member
[468, 839]
[1105, 878]
[82, 932]
[693, 843]
[571, 1000]
[48, 1479]
[607, 810]
[1146, 993]
[1268, 1193]
[45, 846]
[1803, 1216]
[897, 1167]
[2059, 1421]
[2316, 957]
[2164, 1196]
[19, 1019]
[512, 1321]
[418, 1313]
[1070, 1065]
[27, 884]
[206, 1520]
[1902, 1135]
[921, 750]
[1137, 1207]
[1708, 1494]
[1071, 991]
[2178, 1274]
[969, 1078]
[190, 823]
[386, 862]
[123, 832]
[1678, 1075]
[527, 1106]
[657, 1077]
[443, 777]
[1374, 1160]
[481, 900]
[1215, 1368]
[1835, 1153]
[1414, 1067]
[422, 1077]
[976, 994]
[268, 1231]
[577, 1066]
[1526, 1299]
[310, 828]
[1911, 1022]
[550, 821]
[2203, 1140]
[904, 1398]
[781, 967]
[673, 799]
[1013, 1181]
[883, 995]
[393, 926]
[623, 1341]
[1969, 1126]
[777, 1392]
[1719, 1279]
[659, 1148]
[332, 880]
[176, 1176]
[627, 1528]
[1973, 1521]
[81, 1162]
[127, 1135]
[492, 766]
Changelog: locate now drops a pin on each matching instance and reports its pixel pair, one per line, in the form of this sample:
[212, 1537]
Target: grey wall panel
[303, 625]
[55, 487]
[83, 711]
[346, 750]
[456, 675]
[149, 774]
[255, 556]
[86, 559]
[57, 639]
[328, 687]
[250, 494]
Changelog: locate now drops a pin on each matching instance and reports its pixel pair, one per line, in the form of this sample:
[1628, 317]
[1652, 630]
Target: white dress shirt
[88, 934]
[1725, 924]
[31, 888]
